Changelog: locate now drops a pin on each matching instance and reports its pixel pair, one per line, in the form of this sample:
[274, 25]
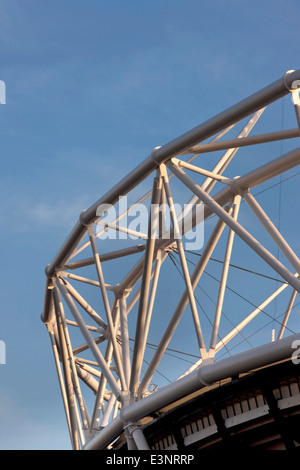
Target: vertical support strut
[223, 282]
[152, 295]
[287, 314]
[147, 270]
[67, 371]
[177, 236]
[107, 308]
[76, 385]
[125, 339]
[60, 377]
[296, 101]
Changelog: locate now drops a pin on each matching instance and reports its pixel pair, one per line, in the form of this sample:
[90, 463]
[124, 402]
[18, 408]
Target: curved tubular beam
[204, 376]
[244, 108]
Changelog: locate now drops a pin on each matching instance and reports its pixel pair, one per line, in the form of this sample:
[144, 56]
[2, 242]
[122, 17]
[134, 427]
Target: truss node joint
[153, 155]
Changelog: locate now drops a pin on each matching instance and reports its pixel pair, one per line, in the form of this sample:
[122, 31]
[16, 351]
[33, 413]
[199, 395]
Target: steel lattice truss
[105, 304]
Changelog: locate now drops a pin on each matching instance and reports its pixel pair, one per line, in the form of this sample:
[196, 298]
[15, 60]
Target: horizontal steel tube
[105, 257]
[245, 141]
[204, 376]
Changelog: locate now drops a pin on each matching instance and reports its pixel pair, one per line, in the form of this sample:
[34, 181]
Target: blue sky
[92, 87]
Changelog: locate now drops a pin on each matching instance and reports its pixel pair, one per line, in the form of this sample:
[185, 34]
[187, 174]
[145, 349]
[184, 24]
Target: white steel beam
[145, 287]
[220, 301]
[105, 257]
[250, 317]
[83, 303]
[125, 340]
[201, 171]
[157, 267]
[287, 314]
[54, 345]
[75, 437]
[245, 141]
[272, 230]
[111, 326]
[85, 280]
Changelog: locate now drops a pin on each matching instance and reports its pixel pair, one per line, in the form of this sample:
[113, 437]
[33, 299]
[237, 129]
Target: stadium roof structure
[112, 293]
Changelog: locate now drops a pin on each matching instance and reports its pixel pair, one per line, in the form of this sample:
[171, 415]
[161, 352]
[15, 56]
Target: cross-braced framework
[118, 318]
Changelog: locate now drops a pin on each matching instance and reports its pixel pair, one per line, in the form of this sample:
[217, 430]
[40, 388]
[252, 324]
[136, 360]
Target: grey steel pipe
[244, 108]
